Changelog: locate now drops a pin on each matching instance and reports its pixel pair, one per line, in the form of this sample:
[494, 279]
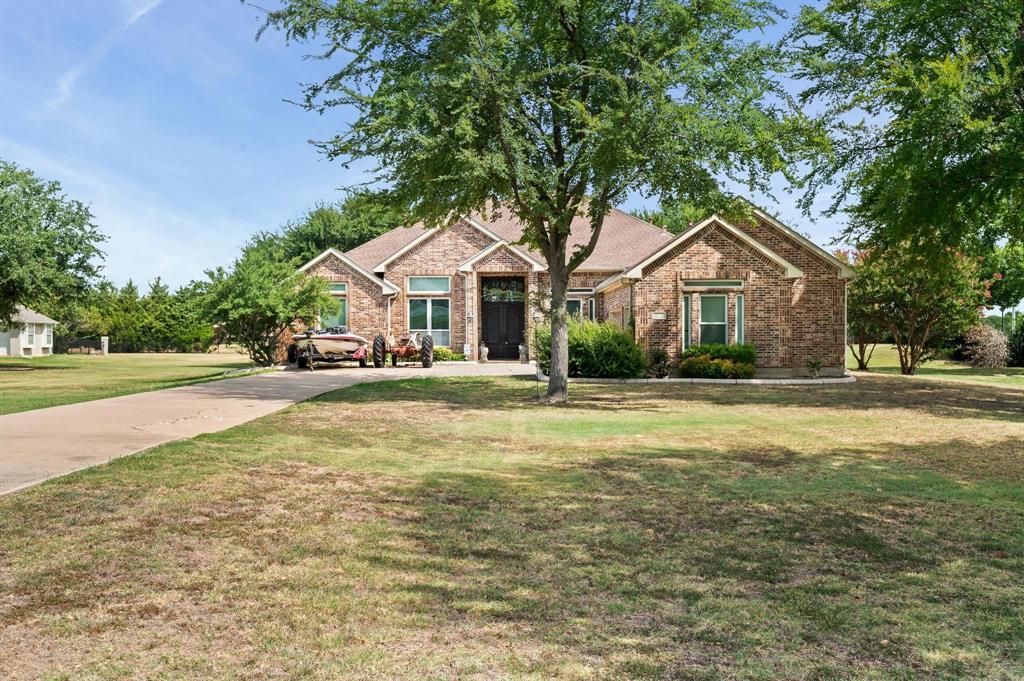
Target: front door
[504, 316]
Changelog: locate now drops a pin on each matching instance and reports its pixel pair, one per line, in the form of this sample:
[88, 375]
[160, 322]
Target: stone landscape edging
[828, 380]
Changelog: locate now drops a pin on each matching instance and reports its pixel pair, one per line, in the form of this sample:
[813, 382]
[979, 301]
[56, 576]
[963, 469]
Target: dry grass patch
[456, 529]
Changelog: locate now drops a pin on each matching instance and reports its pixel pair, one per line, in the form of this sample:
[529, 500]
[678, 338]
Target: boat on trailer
[330, 345]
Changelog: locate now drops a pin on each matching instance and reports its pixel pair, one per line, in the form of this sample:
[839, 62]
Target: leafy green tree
[260, 299]
[188, 329]
[918, 298]
[48, 244]
[1005, 267]
[552, 109]
[343, 226]
[925, 100]
[675, 218]
[864, 330]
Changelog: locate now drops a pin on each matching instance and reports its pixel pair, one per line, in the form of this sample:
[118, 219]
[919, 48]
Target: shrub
[985, 346]
[443, 354]
[1016, 346]
[595, 350]
[658, 365]
[743, 353]
[703, 366]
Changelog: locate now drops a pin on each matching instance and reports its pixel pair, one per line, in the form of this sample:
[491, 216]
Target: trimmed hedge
[706, 367]
[744, 353]
[595, 351]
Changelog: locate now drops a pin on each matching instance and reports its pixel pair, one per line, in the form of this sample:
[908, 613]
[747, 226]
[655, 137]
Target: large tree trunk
[558, 373]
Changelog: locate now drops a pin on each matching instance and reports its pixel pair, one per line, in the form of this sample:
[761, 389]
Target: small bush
[985, 346]
[595, 351]
[704, 366]
[1016, 346]
[443, 354]
[658, 365]
[744, 353]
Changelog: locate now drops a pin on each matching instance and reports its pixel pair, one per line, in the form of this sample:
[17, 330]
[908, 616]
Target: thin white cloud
[65, 85]
[149, 234]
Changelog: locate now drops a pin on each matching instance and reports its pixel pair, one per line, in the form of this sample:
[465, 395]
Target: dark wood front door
[503, 329]
[504, 317]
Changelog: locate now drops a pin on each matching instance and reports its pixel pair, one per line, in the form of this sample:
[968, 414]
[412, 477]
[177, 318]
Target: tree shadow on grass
[679, 560]
[946, 400]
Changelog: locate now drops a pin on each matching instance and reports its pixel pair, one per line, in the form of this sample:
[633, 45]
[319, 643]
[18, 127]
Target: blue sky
[169, 119]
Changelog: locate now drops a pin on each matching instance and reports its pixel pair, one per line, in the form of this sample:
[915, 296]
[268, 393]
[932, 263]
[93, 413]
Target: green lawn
[62, 379]
[454, 528]
[885, 360]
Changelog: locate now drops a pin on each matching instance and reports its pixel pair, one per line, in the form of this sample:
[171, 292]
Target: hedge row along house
[470, 284]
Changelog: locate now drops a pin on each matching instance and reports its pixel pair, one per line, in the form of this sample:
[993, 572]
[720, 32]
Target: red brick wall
[367, 306]
[789, 321]
[818, 303]
[440, 256]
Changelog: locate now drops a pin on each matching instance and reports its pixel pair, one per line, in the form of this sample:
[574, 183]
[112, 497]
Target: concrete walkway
[47, 443]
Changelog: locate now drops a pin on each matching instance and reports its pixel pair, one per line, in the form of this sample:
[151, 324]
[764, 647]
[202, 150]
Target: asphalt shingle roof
[624, 239]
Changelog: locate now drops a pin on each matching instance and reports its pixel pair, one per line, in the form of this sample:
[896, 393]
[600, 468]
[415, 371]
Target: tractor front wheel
[378, 352]
[427, 351]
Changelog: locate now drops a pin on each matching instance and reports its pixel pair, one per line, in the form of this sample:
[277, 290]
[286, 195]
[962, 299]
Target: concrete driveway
[47, 443]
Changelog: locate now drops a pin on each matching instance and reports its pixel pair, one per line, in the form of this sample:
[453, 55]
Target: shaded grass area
[885, 360]
[64, 379]
[453, 528]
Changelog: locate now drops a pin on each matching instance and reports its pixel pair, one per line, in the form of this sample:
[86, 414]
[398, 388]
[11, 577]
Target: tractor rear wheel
[378, 352]
[427, 351]
[292, 352]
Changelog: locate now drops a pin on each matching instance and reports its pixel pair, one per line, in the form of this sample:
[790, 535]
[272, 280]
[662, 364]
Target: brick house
[469, 284]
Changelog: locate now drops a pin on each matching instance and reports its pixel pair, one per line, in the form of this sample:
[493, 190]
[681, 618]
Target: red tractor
[410, 348]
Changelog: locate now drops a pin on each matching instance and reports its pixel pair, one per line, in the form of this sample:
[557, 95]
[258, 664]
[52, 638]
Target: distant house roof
[625, 239]
[27, 316]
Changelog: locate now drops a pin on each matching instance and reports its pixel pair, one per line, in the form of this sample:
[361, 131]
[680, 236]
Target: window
[31, 329]
[431, 315]
[584, 309]
[687, 320]
[713, 328]
[340, 318]
[49, 335]
[429, 285]
[739, 318]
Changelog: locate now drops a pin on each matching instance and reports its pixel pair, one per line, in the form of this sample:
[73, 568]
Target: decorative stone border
[848, 378]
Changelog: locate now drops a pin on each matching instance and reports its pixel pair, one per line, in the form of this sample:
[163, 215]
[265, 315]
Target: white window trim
[741, 318]
[430, 316]
[47, 335]
[410, 292]
[701, 323]
[687, 318]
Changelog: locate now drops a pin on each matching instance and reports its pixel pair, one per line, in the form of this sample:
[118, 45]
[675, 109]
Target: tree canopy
[925, 100]
[261, 297]
[343, 226]
[1005, 266]
[49, 246]
[917, 298]
[552, 109]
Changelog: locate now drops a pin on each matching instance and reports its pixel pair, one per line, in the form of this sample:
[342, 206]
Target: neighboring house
[470, 284]
[31, 335]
